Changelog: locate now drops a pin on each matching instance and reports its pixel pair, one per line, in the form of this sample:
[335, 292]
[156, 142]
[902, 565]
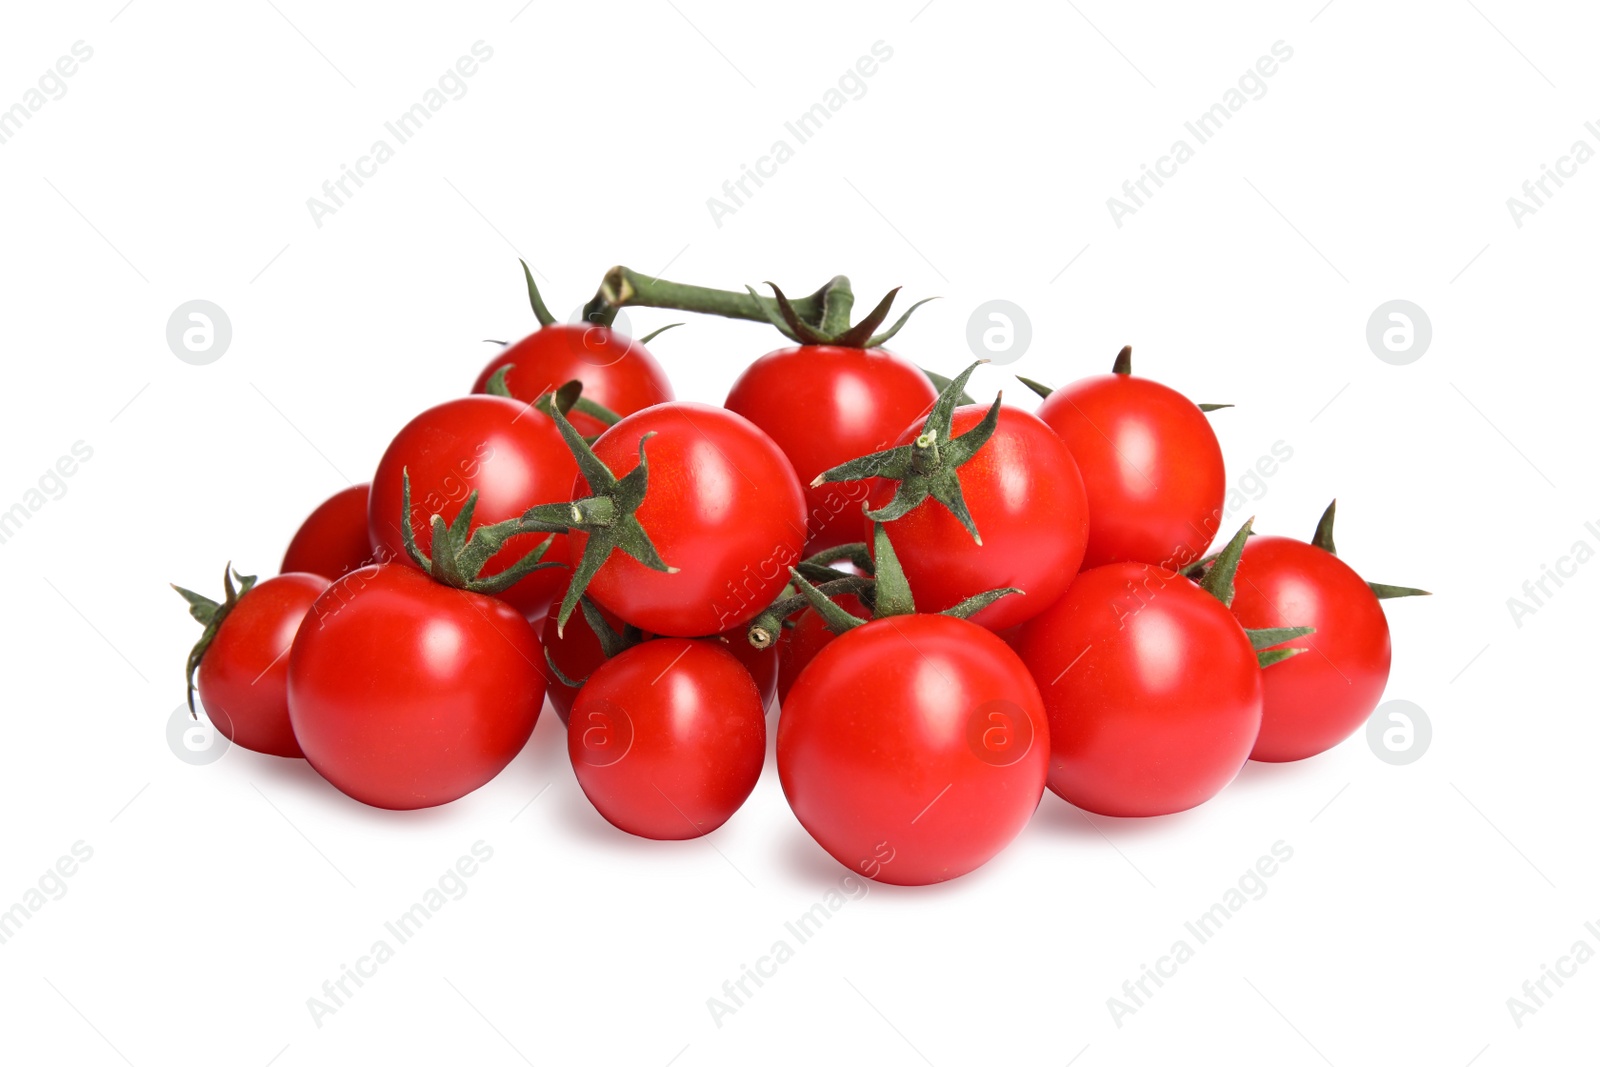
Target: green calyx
[612, 643]
[891, 593]
[459, 556]
[569, 397]
[606, 516]
[210, 614]
[926, 467]
[1218, 580]
[1323, 539]
[1122, 365]
[763, 630]
[535, 301]
[820, 318]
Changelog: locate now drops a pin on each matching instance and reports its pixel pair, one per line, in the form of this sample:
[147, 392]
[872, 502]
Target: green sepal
[818, 567]
[1323, 538]
[458, 559]
[941, 383]
[653, 334]
[890, 586]
[878, 340]
[1041, 390]
[1268, 636]
[1208, 408]
[1390, 592]
[978, 601]
[835, 618]
[861, 333]
[607, 516]
[496, 385]
[1124, 361]
[787, 319]
[1218, 580]
[837, 301]
[763, 630]
[928, 466]
[210, 614]
[540, 312]
[560, 676]
[1267, 657]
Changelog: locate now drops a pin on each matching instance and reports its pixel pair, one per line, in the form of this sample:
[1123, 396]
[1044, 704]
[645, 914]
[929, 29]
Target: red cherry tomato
[617, 372]
[405, 693]
[668, 738]
[1153, 690]
[913, 748]
[722, 505]
[511, 454]
[824, 405]
[801, 642]
[1320, 697]
[1027, 500]
[242, 679]
[333, 539]
[1151, 466]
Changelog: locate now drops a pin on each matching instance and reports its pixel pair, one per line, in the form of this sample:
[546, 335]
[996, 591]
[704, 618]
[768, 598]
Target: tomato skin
[891, 757]
[1152, 687]
[513, 456]
[1151, 466]
[823, 405]
[668, 738]
[801, 642]
[243, 678]
[617, 372]
[1316, 699]
[405, 693]
[722, 505]
[333, 539]
[1027, 499]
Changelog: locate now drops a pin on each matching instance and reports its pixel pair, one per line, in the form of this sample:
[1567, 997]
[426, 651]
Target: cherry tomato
[913, 748]
[1320, 697]
[244, 673]
[1153, 690]
[823, 405]
[1027, 500]
[722, 505]
[333, 539]
[668, 738]
[617, 372]
[405, 693]
[801, 642]
[1151, 466]
[511, 454]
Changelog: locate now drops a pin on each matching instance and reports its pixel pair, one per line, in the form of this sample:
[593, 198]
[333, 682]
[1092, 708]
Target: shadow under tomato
[1056, 816]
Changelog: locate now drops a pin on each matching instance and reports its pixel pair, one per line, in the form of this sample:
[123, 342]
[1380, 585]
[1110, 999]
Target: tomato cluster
[953, 605]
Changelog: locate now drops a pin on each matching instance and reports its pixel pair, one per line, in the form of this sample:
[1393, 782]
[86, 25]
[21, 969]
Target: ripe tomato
[1027, 500]
[824, 404]
[1153, 690]
[801, 643]
[1319, 698]
[913, 748]
[511, 454]
[405, 693]
[333, 539]
[244, 670]
[617, 372]
[1151, 465]
[668, 738]
[722, 505]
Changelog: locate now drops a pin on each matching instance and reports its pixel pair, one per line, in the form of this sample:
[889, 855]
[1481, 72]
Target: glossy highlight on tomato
[1316, 699]
[405, 693]
[1153, 691]
[1151, 466]
[667, 739]
[913, 748]
[823, 405]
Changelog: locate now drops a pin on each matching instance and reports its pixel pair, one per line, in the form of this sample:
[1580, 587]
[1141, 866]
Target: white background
[977, 165]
